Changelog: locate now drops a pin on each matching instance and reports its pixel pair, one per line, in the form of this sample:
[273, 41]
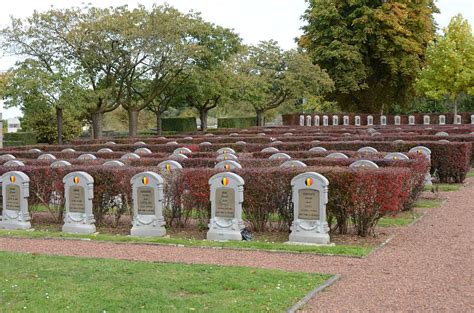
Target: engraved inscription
[13, 198]
[77, 201]
[146, 200]
[308, 204]
[225, 202]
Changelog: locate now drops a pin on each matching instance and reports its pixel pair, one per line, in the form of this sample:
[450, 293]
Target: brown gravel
[426, 267]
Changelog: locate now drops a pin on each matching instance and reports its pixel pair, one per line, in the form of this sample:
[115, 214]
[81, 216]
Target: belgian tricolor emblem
[12, 179]
[395, 158]
[76, 180]
[145, 180]
[225, 181]
[167, 167]
[308, 182]
[227, 167]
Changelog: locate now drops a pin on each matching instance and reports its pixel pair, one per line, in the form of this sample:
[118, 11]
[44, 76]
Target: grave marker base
[12, 225]
[76, 228]
[219, 233]
[148, 231]
[309, 238]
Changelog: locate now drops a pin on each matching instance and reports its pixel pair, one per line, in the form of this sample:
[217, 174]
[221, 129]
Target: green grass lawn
[445, 187]
[471, 173]
[428, 203]
[41, 283]
[347, 250]
[401, 219]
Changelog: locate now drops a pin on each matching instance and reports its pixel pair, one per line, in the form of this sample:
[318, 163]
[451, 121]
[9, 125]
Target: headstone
[301, 120]
[426, 120]
[411, 120]
[397, 119]
[79, 192]
[208, 135]
[383, 120]
[142, 151]
[270, 149]
[279, 156]
[288, 134]
[441, 134]
[442, 120]
[178, 156]
[34, 150]
[292, 163]
[261, 134]
[59, 163]
[376, 134]
[325, 120]
[191, 138]
[227, 195]
[109, 143]
[363, 164]
[337, 155]
[472, 119]
[367, 150]
[370, 120]
[147, 195]
[228, 165]
[86, 156]
[308, 120]
[205, 143]
[315, 141]
[13, 163]
[276, 142]
[226, 156]
[182, 150]
[427, 153]
[240, 142]
[317, 149]
[309, 197]
[371, 130]
[169, 165]
[171, 143]
[113, 163]
[139, 143]
[46, 156]
[398, 141]
[68, 150]
[15, 193]
[347, 134]
[335, 120]
[345, 120]
[225, 150]
[458, 119]
[129, 155]
[357, 120]
[444, 141]
[317, 120]
[395, 156]
[105, 150]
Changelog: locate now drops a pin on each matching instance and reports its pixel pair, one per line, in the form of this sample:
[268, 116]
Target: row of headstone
[308, 120]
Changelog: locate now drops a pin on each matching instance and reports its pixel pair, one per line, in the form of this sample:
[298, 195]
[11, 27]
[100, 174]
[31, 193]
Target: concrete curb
[298, 305]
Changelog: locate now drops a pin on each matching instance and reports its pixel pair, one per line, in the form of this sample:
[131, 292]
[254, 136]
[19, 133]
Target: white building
[13, 125]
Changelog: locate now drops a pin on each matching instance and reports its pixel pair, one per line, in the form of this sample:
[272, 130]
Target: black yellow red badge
[12, 179]
[308, 182]
[226, 166]
[168, 167]
[76, 180]
[145, 180]
[225, 181]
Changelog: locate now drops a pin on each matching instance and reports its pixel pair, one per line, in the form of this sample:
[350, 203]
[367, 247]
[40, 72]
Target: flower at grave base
[308, 182]
[225, 181]
[12, 179]
[76, 180]
[145, 180]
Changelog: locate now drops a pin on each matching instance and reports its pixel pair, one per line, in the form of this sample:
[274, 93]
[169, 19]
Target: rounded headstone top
[363, 164]
[316, 141]
[367, 150]
[226, 156]
[441, 134]
[261, 134]
[337, 155]
[182, 150]
[276, 142]
[169, 165]
[109, 143]
[347, 134]
[46, 156]
[395, 156]
[293, 163]
[104, 150]
[35, 150]
[13, 163]
[233, 134]
[317, 149]
[69, 150]
[139, 143]
[82, 178]
[205, 143]
[60, 163]
[421, 150]
[178, 156]
[270, 149]
[288, 134]
[86, 156]
[129, 156]
[7, 157]
[228, 165]
[209, 135]
[171, 143]
[398, 141]
[279, 156]
[217, 179]
[444, 141]
[188, 138]
[240, 142]
[142, 151]
[226, 150]
[113, 163]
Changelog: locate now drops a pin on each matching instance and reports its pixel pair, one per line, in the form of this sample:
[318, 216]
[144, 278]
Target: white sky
[254, 20]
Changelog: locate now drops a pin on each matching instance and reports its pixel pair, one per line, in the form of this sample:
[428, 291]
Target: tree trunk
[203, 117]
[158, 122]
[59, 124]
[97, 125]
[455, 110]
[260, 118]
[132, 123]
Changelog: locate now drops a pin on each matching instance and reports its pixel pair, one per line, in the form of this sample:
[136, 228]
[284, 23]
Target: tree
[449, 72]
[270, 77]
[373, 50]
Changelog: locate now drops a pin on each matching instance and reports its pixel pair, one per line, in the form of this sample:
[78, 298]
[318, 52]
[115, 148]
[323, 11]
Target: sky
[253, 20]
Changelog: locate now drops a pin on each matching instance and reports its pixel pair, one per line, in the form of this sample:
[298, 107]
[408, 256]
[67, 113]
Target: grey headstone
[367, 150]
[129, 155]
[337, 155]
[317, 149]
[13, 163]
[59, 163]
[34, 150]
[169, 165]
[105, 150]
[87, 156]
[171, 143]
[46, 156]
[68, 150]
[182, 150]
[363, 164]
[228, 165]
[270, 149]
[15, 193]
[279, 156]
[441, 134]
[205, 143]
[227, 156]
[226, 150]
[395, 156]
[142, 151]
[240, 142]
[139, 143]
[109, 143]
[292, 163]
[113, 163]
[7, 157]
[178, 156]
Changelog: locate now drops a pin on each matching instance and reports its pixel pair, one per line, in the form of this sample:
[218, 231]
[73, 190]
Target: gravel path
[426, 267]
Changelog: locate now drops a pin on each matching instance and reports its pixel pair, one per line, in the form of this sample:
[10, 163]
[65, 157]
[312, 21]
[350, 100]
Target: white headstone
[292, 163]
[139, 143]
[15, 193]
[147, 193]
[261, 134]
[34, 150]
[472, 119]
[13, 163]
[441, 134]
[178, 156]
[427, 153]
[309, 197]
[357, 120]
[86, 156]
[276, 142]
[308, 120]
[109, 143]
[411, 120]
[395, 156]
[171, 143]
[225, 150]
[191, 138]
[317, 120]
[444, 141]
[317, 149]
[458, 119]
[182, 150]
[59, 163]
[142, 151]
[227, 196]
[228, 165]
[226, 156]
[79, 192]
[337, 155]
[301, 120]
[325, 120]
[68, 150]
[105, 150]
[288, 134]
[335, 120]
[169, 165]
[383, 120]
[270, 149]
[46, 156]
[426, 120]
[205, 143]
[398, 141]
[345, 120]
[442, 120]
[367, 150]
[7, 157]
[397, 120]
[208, 135]
[370, 120]
[363, 164]
[240, 142]
[279, 156]
[129, 155]
[113, 163]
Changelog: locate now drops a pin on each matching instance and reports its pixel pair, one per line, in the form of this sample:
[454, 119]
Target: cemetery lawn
[401, 219]
[53, 283]
[428, 203]
[339, 249]
[444, 187]
[471, 173]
